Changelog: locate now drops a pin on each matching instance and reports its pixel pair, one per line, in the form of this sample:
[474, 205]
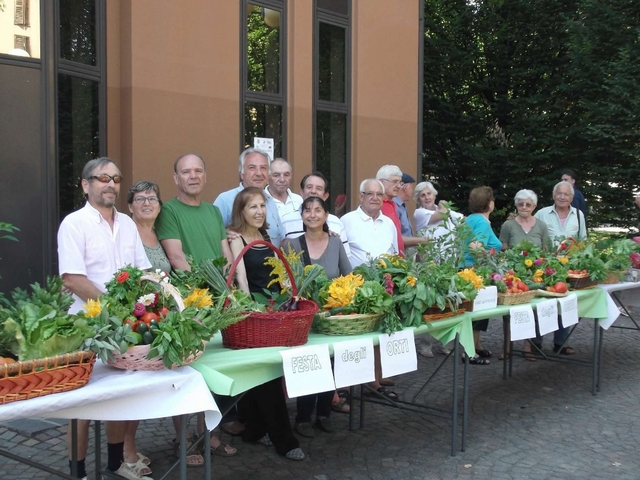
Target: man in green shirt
[188, 226]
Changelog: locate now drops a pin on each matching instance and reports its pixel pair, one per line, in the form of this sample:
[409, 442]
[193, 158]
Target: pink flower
[549, 271]
[492, 251]
[155, 301]
[538, 261]
[496, 277]
[139, 309]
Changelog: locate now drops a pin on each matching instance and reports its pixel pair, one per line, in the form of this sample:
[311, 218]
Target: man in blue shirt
[406, 193]
[254, 172]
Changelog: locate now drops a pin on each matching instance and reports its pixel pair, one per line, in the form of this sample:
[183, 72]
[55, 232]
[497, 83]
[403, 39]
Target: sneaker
[296, 454]
[305, 429]
[130, 471]
[266, 441]
[324, 424]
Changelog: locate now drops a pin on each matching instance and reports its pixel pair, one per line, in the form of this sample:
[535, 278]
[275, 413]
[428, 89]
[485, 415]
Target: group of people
[97, 240]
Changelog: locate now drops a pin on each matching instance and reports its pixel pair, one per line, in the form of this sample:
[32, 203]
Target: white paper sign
[487, 299]
[523, 324]
[569, 310]
[353, 362]
[264, 144]
[547, 316]
[398, 353]
[307, 370]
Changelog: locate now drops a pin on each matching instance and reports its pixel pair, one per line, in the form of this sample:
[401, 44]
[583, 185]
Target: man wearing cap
[406, 192]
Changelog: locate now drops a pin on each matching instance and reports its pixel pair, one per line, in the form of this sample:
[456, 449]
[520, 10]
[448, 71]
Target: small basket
[515, 298]
[346, 324]
[135, 358]
[270, 329]
[581, 283]
[42, 376]
[434, 313]
[613, 277]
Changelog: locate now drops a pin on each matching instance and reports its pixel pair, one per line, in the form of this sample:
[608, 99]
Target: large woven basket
[42, 376]
[515, 298]
[581, 283]
[270, 329]
[544, 293]
[434, 313]
[135, 358]
[613, 277]
[346, 324]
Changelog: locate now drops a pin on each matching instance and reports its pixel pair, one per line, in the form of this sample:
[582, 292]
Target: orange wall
[174, 88]
[384, 88]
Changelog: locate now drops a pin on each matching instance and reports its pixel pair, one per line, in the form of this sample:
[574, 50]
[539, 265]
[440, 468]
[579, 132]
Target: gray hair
[422, 186]
[143, 186]
[175, 164]
[96, 163]
[248, 151]
[279, 159]
[367, 180]
[526, 195]
[566, 184]
[387, 171]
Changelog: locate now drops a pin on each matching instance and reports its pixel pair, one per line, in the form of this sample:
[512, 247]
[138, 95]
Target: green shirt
[200, 229]
[512, 233]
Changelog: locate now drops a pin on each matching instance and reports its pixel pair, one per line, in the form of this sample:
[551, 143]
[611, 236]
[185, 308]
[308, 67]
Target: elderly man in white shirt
[93, 243]
[313, 185]
[278, 188]
[369, 232]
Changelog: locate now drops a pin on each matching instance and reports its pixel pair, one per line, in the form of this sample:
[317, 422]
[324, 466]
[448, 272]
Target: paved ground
[543, 423]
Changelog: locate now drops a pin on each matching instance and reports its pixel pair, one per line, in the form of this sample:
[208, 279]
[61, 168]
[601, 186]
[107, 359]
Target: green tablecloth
[230, 372]
[592, 303]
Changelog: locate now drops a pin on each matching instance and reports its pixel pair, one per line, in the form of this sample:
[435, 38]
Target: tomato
[522, 287]
[551, 289]
[560, 287]
[132, 323]
[162, 312]
[148, 316]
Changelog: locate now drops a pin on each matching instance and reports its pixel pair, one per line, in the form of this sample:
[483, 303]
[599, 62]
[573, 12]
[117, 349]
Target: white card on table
[307, 370]
[353, 362]
[569, 309]
[547, 316]
[487, 299]
[398, 353]
[523, 324]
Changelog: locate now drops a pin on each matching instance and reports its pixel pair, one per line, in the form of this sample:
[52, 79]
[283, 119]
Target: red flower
[524, 253]
[492, 251]
[563, 246]
[122, 277]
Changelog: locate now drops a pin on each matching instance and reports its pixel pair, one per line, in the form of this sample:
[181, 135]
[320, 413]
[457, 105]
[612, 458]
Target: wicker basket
[434, 313]
[613, 277]
[515, 298]
[544, 293]
[135, 358]
[42, 376]
[581, 283]
[270, 329]
[346, 324]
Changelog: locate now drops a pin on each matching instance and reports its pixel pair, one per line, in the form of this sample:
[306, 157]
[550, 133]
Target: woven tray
[515, 298]
[434, 313]
[346, 324]
[544, 293]
[581, 283]
[270, 329]
[135, 358]
[42, 376]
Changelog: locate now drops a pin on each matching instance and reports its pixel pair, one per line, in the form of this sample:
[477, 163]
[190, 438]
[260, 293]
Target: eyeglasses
[528, 205]
[392, 182]
[141, 200]
[104, 178]
[373, 194]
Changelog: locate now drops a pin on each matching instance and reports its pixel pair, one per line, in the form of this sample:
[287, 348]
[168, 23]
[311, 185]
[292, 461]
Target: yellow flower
[342, 290]
[277, 270]
[382, 263]
[471, 276]
[411, 281]
[528, 262]
[563, 260]
[93, 308]
[199, 298]
[308, 268]
[538, 273]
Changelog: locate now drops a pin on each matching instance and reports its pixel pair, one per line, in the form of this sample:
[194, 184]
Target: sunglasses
[104, 178]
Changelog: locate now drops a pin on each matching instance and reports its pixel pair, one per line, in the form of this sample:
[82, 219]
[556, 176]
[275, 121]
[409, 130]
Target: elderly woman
[524, 226]
[563, 221]
[428, 215]
[481, 204]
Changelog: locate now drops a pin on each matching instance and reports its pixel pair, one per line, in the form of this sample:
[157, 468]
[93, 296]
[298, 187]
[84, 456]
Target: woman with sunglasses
[525, 227]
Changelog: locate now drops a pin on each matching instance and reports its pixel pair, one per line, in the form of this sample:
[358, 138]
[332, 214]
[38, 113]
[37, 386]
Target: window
[263, 72]
[331, 100]
[78, 31]
[22, 42]
[21, 13]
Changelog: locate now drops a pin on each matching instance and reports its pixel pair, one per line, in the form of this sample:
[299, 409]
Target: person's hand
[443, 206]
[231, 235]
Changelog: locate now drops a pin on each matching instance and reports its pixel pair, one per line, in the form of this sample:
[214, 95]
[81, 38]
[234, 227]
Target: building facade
[335, 84]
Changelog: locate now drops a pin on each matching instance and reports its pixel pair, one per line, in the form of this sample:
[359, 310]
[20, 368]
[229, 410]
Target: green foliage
[7, 227]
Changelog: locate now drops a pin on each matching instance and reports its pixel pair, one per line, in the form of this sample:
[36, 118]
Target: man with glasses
[369, 232]
[93, 243]
[391, 177]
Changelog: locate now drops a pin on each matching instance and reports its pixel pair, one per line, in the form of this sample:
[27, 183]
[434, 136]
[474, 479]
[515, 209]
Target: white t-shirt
[369, 238]
[88, 246]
